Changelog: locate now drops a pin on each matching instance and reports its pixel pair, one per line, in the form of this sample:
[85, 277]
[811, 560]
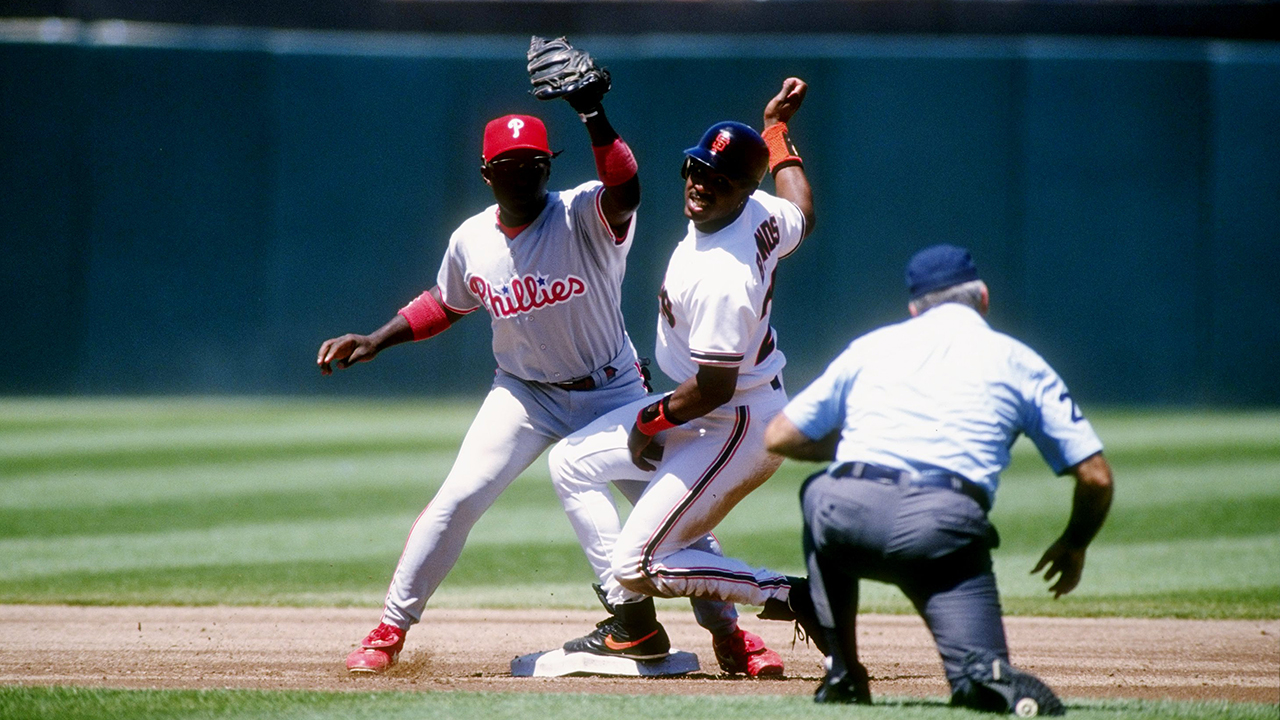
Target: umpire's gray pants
[934, 544]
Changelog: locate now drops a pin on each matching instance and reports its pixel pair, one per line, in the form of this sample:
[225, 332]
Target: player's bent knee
[561, 460]
[640, 584]
[626, 569]
[464, 507]
[558, 463]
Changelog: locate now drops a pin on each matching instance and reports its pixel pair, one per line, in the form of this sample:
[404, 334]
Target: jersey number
[664, 306]
[1076, 415]
[768, 344]
[768, 294]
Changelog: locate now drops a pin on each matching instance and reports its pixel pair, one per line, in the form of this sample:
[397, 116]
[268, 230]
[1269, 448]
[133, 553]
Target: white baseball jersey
[553, 292]
[718, 294]
[715, 308]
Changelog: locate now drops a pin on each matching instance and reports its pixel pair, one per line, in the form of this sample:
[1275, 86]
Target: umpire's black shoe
[852, 689]
[996, 686]
[799, 607]
[633, 632]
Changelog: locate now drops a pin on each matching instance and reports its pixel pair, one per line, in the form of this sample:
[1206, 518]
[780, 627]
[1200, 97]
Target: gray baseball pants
[932, 543]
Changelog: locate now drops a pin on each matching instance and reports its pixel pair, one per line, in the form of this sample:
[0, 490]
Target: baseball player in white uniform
[689, 457]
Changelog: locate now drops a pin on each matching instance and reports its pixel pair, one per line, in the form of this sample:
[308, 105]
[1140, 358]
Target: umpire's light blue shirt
[943, 391]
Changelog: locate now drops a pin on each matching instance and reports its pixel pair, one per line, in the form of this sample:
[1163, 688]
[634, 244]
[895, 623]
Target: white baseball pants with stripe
[665, 548]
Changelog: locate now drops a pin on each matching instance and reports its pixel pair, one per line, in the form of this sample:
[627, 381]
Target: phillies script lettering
[524, 294]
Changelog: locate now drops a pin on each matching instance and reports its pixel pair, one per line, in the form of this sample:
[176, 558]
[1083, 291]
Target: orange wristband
[653, 418]
[781, 152]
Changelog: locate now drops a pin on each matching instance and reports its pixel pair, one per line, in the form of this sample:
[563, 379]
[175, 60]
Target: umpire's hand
[1064, 562]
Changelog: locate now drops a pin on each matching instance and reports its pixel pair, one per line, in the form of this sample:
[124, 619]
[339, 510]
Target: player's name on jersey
[524, 294]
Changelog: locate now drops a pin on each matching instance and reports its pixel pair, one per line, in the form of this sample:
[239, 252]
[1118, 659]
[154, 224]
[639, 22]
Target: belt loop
[602, 376]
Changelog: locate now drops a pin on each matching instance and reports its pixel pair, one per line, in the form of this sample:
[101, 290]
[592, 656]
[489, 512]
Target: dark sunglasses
[508, 166]
[702, 174]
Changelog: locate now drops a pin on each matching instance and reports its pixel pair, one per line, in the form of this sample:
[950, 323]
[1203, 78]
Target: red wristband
[614, 163]
[781, 152]
[654, 418]
[425, 315]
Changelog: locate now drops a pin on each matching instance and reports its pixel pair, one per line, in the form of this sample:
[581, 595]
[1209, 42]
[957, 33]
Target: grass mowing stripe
[1226, 564]
[560, 571]
[413, 472]
[79, 703]
[181, 456]
[508, 528]
[98, 413]
[1198, 427]
[1257, 603]
[205, 513]
[251, 432]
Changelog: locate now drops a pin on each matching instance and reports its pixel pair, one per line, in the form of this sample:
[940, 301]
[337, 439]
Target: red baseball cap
[514, 132]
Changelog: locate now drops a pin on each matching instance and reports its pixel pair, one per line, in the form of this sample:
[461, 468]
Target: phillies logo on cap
[514, 132]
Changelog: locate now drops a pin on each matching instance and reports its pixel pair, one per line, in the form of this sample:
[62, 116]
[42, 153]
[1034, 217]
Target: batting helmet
[733, 150]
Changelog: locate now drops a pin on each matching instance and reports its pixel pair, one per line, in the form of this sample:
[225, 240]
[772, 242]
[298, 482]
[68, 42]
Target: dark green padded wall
[195, 214]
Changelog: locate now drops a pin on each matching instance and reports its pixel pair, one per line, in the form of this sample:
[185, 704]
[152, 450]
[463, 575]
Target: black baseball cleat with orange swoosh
[631, 631]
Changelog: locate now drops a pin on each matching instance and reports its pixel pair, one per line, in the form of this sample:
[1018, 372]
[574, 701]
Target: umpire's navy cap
[937, 267]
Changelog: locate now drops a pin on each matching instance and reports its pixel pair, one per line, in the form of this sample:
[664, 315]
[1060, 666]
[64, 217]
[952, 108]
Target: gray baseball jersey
[554, 303]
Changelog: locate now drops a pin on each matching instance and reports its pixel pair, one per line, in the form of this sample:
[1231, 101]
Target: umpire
[916, 420]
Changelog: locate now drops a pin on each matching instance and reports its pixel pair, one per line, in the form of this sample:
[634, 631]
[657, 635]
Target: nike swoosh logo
[612, 644]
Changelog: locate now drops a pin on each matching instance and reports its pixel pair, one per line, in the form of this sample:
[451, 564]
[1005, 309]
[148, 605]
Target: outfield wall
[195, 210]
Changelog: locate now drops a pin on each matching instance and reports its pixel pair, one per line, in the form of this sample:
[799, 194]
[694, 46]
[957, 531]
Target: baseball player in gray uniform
[548, 269]
[689, 457]
[917, 420]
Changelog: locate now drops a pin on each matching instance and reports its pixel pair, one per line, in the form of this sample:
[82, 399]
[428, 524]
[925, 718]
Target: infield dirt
[304, 648]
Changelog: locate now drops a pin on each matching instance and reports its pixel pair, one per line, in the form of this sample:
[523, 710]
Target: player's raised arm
[784, 162]
[558, 70]
[425, 316]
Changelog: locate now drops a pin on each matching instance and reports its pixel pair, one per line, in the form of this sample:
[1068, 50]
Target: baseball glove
[558, 69]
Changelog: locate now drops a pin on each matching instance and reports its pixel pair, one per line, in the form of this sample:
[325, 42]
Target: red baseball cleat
[379, 650]
[745, 653]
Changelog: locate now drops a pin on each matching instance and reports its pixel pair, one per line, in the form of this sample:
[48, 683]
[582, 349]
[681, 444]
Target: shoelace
[799, 634]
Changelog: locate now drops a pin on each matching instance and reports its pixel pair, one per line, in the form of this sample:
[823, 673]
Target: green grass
[89, 704]
[305, 502]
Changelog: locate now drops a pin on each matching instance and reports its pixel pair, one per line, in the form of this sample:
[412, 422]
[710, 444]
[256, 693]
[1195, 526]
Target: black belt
[585, 383]
[944, 480]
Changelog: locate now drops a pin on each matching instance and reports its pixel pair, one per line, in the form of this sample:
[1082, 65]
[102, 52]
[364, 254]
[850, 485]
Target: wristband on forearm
[781, 152]
[425, 316]
[615, 163]
[656, 417]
